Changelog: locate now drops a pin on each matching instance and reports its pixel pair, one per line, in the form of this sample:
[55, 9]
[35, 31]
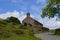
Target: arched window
[25, 24]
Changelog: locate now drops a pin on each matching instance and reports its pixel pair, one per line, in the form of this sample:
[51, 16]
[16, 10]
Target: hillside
[15, 32]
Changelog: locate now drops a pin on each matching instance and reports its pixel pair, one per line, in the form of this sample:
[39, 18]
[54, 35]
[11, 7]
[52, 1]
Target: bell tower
[28, 14]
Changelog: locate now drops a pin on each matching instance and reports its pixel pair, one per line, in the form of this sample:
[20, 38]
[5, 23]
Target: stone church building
[29, 21]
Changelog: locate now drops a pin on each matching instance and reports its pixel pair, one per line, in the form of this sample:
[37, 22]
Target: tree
[52, 9]
[13, 19]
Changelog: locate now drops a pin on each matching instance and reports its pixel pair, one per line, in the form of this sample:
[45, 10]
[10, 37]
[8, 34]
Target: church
[29, 21]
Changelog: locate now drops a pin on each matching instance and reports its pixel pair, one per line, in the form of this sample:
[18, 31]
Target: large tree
[52, 9]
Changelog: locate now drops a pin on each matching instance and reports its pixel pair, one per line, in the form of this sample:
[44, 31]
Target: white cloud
[19, 15]
[49, 23]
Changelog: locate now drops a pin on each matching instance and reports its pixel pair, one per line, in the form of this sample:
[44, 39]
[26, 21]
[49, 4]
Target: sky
[19, 9]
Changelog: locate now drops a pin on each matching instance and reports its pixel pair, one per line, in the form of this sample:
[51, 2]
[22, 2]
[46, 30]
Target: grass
[21, 37]
[26, 36]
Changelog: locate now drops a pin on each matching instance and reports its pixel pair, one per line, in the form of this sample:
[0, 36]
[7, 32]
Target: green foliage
[13, 19]
[50, 10]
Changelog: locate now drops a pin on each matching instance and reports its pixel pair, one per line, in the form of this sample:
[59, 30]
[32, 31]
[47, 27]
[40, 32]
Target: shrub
[45, 29]
[57, 31]
[13, 20]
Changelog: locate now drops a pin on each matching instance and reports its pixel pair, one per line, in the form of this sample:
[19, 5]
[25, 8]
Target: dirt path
[47, 36]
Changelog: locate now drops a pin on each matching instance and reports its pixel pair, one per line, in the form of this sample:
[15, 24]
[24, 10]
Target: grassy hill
[15, 32]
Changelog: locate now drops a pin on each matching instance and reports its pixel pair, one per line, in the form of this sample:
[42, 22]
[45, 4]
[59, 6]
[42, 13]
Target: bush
[13, 20]
[45, 29]
[57, 31]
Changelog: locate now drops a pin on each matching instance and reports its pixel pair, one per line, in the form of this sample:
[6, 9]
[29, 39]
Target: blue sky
[19, 8]
[33, 6]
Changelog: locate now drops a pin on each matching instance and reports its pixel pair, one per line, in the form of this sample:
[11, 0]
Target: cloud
[19, 15]
[49, 23]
